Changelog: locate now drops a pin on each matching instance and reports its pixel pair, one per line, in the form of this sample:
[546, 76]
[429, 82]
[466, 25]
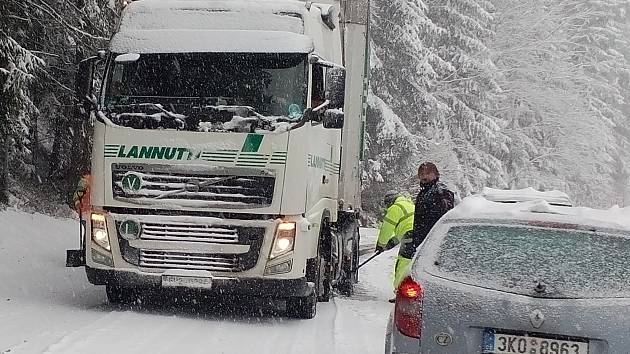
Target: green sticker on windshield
[252, 143]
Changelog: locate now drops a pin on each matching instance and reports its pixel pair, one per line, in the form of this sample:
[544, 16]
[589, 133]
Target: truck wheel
[323, 285]
[323, 272]
[346, 285]
[350, 274]
[118, 294]
[302, 307]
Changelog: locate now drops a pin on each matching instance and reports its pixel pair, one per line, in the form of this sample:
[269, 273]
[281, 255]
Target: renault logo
[129, 229]
[537, 318]
[131, 182]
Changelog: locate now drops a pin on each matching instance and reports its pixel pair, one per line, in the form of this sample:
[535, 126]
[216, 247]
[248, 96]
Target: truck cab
[219, 130]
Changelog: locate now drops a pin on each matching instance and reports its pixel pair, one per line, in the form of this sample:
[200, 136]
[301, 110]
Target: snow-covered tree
[433, 80]
[468, 90]
[48, 146]
[546, 102]
[18, 69]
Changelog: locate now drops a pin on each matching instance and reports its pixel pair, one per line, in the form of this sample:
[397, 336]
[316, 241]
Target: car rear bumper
[258, 287]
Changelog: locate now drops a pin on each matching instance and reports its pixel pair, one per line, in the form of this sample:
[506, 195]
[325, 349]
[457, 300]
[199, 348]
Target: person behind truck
[81, 196]
[433, 201]
[82, 202]
[397, 223]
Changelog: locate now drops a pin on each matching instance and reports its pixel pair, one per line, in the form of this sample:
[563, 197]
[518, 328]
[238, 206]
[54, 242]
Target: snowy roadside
[47, 308]
[368, 240]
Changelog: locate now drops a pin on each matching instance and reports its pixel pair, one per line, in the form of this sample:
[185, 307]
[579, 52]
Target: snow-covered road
[47, 308]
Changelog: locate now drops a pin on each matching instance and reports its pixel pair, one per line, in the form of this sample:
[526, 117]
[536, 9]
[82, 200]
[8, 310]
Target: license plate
[500, 343]
[186, 281]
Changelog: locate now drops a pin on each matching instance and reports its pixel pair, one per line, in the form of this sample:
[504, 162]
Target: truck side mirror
[336, 87]
[84, 82]
[333, 119]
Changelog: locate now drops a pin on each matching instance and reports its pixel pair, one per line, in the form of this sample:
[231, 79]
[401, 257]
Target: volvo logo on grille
[129, 229]
[192, 185]
[537, 318]
[131, 182]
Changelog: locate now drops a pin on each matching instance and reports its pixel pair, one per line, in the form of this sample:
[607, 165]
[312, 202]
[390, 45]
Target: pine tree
[403, 69]
[45, 135]
[18, 69]
[550, 119]
[468, 89]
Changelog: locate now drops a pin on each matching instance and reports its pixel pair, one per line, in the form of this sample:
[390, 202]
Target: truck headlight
[284, 241]
[99, 231]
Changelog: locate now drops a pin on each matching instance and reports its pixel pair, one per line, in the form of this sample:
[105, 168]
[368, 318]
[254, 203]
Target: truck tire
[302, 307]
[321, 272]
[350, 273]
[118, 294]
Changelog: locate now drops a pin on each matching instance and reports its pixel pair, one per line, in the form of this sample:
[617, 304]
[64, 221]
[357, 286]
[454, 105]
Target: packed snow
[47, 308]
[477, 206]
[194, 14]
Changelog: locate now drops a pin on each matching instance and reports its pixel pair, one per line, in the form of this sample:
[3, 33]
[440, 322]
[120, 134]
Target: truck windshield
[272, 84]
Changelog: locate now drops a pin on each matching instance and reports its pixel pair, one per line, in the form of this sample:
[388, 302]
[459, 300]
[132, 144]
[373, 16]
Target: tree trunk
[4, 139]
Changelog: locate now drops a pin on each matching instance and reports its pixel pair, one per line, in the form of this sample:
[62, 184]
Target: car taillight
[408, 310]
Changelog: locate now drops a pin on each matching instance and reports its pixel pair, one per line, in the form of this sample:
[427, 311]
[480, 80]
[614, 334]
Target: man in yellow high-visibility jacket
[397, 224]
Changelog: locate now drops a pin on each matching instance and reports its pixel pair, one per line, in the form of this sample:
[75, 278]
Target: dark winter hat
[429, 166]
[390, 197]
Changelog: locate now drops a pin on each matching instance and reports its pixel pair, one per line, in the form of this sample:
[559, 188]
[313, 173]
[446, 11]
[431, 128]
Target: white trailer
[226, 149]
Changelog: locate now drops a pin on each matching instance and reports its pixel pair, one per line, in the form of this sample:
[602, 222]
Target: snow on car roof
[478, 207]
[214, 15]
[526, 194]
[194, 41]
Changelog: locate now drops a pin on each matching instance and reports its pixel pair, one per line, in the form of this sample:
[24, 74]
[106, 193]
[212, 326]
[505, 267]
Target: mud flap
[75, 258]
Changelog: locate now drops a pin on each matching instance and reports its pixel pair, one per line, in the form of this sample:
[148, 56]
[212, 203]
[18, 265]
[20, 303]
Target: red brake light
[408, 310]
[409, 289]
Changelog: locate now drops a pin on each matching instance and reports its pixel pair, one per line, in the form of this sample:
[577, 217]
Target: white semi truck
[226, 149]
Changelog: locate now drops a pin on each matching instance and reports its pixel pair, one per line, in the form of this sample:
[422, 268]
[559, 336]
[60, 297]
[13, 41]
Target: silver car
[528, 278]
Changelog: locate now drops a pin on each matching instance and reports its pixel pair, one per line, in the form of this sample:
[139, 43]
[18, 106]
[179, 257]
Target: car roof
[477, 207]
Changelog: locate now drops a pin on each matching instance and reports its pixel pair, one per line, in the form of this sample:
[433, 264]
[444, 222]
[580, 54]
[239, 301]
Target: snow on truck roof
[214, 15]
[188, 41]
[168, 26]
[478, 207]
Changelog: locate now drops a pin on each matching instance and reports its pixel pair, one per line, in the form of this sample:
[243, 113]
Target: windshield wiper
[248, 115]
[143, 111]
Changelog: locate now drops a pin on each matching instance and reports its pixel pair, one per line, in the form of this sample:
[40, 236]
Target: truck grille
[188, 261]
[189, 233]
[152, 185]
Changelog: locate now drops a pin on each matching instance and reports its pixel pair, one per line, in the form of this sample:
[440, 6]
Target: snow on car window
[537, 261]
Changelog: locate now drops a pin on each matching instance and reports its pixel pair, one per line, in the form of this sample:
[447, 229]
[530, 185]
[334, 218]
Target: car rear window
[545, 262]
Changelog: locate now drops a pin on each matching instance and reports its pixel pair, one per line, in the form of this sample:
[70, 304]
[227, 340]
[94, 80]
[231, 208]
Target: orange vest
[81, 197]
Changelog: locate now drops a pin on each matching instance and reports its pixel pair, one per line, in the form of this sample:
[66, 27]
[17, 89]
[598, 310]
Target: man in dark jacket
[433, 201]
